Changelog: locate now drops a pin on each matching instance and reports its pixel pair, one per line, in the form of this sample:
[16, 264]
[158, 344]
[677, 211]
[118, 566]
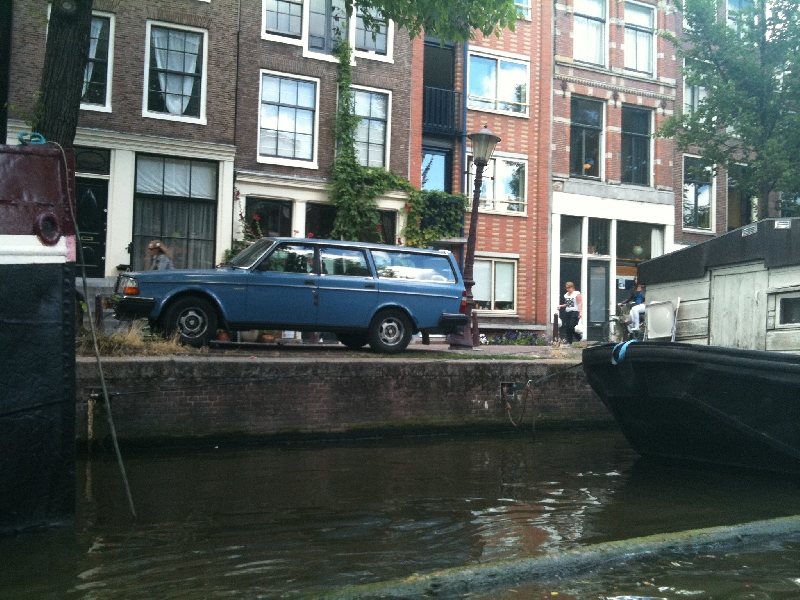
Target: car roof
[370, 245]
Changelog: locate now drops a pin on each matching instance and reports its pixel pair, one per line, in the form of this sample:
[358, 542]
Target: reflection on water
[291, 520]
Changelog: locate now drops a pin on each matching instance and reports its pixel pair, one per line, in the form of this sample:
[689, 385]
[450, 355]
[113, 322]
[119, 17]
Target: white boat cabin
[741, 289]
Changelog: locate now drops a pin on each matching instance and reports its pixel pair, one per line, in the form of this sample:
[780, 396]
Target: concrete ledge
[204, 398]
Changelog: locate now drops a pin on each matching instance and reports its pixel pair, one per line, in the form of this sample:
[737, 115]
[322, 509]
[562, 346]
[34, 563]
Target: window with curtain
[175, 78]
[503, 186]
[495, 284]
[284, 17]
[288, 117]
[374, 38]
[635, 145]
[175, 201]
[585, 133]
[327, 23]
[589, 31]
[370, 143]
[639, 37]
[96, 75]
[697, 181]
[498, 84]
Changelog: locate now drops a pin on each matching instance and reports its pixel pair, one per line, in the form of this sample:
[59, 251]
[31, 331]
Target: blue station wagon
[364, 293]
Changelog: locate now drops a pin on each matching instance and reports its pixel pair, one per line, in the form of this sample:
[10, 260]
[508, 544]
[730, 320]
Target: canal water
[303, 520]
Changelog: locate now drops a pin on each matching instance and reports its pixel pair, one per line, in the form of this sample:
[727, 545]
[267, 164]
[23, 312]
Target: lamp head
[483, 143]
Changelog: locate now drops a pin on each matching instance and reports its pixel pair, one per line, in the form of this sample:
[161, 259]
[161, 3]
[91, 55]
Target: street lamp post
[483, 143]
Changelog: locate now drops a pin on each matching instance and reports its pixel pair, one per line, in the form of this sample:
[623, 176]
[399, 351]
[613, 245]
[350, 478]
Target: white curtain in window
[503, 282]
[97, 26]
[176, 177]
[204, 180]
[482, 274]
[149, 175]
[176, 51]
[656, 242]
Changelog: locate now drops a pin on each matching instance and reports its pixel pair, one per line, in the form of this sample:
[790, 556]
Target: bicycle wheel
[613, 331]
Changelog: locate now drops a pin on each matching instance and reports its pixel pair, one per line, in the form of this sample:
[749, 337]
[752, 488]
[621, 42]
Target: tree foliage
[450, 20]
[747, 65]
[433, 215]
[59, 100]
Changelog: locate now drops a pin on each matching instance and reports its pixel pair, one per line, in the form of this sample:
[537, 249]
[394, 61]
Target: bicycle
[616, 328]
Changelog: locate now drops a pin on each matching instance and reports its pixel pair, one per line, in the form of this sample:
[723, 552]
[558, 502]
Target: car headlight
[128, 286]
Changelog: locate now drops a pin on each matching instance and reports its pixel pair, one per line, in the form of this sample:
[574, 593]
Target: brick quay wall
[185, 399]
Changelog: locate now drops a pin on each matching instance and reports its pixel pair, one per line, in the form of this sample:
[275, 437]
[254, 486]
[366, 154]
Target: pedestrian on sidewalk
[573, 311]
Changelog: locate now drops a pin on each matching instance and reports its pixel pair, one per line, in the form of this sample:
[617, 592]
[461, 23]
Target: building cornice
[115, 140]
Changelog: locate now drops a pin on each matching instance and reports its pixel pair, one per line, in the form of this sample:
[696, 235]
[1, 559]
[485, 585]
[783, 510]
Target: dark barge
[706, 404]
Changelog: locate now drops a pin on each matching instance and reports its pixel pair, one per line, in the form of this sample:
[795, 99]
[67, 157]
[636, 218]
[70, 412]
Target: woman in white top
[573, 311]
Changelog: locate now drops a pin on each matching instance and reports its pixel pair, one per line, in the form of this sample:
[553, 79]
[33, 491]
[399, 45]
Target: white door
[738, 312]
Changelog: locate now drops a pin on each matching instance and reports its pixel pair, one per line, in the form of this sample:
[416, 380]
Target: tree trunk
[64, 65]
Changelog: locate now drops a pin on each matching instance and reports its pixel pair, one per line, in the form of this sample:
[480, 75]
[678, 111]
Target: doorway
[596, 299]
[92, 195]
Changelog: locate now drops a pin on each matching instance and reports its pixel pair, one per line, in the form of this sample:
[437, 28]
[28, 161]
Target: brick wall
[177, 398]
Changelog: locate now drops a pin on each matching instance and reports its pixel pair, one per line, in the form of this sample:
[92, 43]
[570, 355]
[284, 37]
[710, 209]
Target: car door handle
[370, 286]
[309, 282]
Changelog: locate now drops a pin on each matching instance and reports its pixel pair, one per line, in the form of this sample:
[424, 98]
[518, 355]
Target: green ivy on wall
[354, 188]
[433, 215]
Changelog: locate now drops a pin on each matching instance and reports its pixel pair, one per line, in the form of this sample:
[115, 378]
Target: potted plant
[223, 336]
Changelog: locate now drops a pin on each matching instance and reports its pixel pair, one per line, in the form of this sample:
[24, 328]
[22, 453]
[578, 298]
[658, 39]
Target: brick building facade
[615, 82]
[155, 138]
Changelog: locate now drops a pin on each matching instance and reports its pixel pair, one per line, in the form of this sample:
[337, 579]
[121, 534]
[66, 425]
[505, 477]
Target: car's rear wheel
[193, 319]
[390, 332]
[354, 341]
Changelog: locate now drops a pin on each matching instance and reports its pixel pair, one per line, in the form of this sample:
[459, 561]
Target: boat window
[789, 310]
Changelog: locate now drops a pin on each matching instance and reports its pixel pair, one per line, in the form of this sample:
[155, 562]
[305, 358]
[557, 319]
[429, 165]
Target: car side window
[344, 261]
[417, 267]
[290, 258]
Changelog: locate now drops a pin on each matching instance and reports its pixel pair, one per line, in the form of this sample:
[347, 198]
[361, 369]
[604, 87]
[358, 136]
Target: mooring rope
[113, 430]
[529, 392]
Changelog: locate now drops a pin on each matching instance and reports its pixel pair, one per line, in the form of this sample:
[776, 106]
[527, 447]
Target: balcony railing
[442, 111]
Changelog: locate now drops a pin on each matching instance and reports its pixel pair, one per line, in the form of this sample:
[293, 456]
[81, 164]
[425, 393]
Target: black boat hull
[706, 404]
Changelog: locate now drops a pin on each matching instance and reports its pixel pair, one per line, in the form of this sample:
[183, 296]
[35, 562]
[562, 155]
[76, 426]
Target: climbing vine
[354, 188]
[433, 215]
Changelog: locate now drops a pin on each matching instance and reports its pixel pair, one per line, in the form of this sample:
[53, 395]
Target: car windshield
[247, 257]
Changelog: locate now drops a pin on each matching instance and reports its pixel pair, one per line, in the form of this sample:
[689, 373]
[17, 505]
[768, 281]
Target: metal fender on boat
[623, 348]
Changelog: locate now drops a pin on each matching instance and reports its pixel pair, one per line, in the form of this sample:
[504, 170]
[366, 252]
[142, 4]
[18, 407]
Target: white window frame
[778, 298]
[201, 120]
[712, 200]
[370, 55]
[487, 204]
[285, 39]
[289, 162]
[106, 107]
[388, 139]
[500, 57]
[698, 94]
[578, 39]
[494, 260]
[523, 9]
[651, 71]
[302, 41]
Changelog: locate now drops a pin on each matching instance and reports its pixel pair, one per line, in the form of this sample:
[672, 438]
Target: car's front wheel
[390, 332]
[193, 319]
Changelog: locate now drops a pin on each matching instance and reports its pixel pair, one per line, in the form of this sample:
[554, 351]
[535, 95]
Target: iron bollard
[98, 312]
[556, 334]
[476, 335]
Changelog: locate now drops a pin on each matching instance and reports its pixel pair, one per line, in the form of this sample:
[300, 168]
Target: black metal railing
[442, 111]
